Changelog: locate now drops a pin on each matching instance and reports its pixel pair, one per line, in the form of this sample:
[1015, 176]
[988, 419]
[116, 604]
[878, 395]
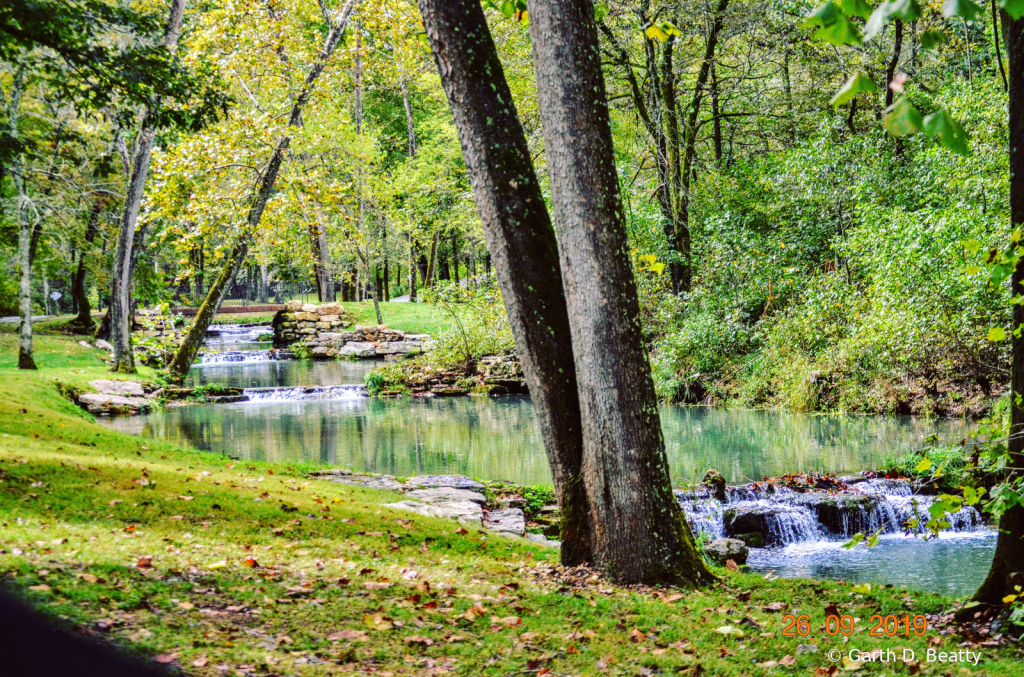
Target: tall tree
[182, 361]
[121, 274]
[638, 528]
[1007, 568]
[521, 239]
[16, 170]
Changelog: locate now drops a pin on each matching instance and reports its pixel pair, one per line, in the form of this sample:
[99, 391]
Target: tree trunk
[264, 284]
[412, 269]
[455, 257]
[638, 529]
[186, 353]
[1008, 563]
[410, 128]
[518, 231]
[894, 62]
[716, 123]
[83, 322]
[25, 225]
[121, 275]
[428, 277]
[387, 282]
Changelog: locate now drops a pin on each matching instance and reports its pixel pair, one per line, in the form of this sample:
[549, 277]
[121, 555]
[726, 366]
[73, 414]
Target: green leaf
[508, 8]
[923, 466]
[852, 543]
[903, 118]
[907, 10]
[835, 27]
[950, 134]
[961, 8]
[931, 39]
[858, 84]
[863, 588]
[856, 8]
[600, 11]
[996, 334]
[972, 496]
[1015, 8]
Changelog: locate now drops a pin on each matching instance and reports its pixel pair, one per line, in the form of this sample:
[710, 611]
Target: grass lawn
[235, 567]
[415, 318]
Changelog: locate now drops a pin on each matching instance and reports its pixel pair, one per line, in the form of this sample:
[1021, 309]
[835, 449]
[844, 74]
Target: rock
[460, 510]
[103, 345]
[322, 353]
[386, 482]
[806, 648]
[330, 309]
[453, 481]
[715, 483]
[328, 472]
[84, 344]
[293, 306]
[779, 523]
[512, 502]
[398, 348]
[509, 521]
[547, 542]
[357, 349]
[855, 478]
[329, 336]
[309, 308]
[446, 494]
[724, 549]
[441, 391]
[100, 404]
[123, 388]
[753, 539]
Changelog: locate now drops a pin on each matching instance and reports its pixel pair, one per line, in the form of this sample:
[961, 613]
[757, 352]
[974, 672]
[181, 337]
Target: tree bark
[716, 124]
[520, 236]
[412, 269]
[121, 275]
[638, 529]
[25, 225]
[410, 127]
[428, 277]
[186, 353]
[84, 322]
[1007, 568]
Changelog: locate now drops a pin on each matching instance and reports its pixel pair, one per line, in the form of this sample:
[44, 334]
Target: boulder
[445, 494]
[723, 549]
[357, 349]
[309, 308]
[753, 539]
[508, 521]
[460, 510]
[453, 481]
[398, 348]
[855, 478]
[293, 306]
[715, 483]
[123, 388]
[103, 345]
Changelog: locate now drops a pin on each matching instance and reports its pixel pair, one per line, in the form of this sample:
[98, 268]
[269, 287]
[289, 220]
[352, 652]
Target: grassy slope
[82, 504]
[415, 318]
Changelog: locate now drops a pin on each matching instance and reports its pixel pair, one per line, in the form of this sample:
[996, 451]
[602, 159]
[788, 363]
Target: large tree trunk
[186, 353]
[84, 323]
[412, 269]
[1008, 563]
[638, 528]
[522, 240]
[124, 257]
[25, 225]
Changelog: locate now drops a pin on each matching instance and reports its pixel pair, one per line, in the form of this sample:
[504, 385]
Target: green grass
[81, 505]
[414, 318]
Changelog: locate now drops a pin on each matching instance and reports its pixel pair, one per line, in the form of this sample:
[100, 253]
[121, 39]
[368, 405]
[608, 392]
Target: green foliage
[478, 323]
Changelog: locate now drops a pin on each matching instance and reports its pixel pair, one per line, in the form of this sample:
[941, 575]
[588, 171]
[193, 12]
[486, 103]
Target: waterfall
[245, 356]
[783, 516]
[346, 392]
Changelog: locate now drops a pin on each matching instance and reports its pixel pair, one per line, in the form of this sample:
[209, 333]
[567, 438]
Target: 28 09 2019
[881, 626]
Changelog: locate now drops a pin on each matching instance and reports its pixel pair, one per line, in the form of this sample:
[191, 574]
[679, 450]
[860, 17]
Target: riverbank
[219, 566]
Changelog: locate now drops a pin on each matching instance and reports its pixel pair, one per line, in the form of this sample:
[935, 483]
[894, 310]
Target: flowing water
[318, 412]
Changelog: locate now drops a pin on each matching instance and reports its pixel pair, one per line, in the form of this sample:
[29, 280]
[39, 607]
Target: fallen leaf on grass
[144, 562]
[250, 562]
[218, 565]
[743, 596]
[775, 607]
[507, 621]
[787, 661]
[42, 587]
[88, 578]
[186, 605]
[186, 498]
[376, 585]
[674, 597]
[731, 565]
[116, 501]
[351, 635]
[636, 635]
[457, 638]
[419, 639]
[529, 636]
[378, 622]
[200, 662]
[729, 630]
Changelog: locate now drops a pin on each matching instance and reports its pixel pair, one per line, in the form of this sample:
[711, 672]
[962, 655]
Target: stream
[317, 411]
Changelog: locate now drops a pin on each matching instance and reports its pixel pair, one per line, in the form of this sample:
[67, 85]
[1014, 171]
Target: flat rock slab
[97, 403]
[358, 349]
[508, 521]
[447, 481]
[123, 388]
[446, 494]
[389, 483]
[460, 510]
[724, 549]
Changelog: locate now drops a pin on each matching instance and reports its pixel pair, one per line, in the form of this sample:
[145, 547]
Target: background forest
[790, 253]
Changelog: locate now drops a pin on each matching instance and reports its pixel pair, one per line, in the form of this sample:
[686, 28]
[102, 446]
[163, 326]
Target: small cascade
[345, 392]
[781, 516]
[236, 333]
[235, 356]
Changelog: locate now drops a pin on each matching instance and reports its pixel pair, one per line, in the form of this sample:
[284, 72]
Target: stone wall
[324, 331]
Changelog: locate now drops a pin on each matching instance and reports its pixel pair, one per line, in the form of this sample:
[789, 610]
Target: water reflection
[280, 373]
[497, 438]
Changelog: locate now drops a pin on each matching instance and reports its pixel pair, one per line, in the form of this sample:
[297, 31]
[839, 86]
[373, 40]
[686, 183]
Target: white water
[345, 392]
[244, 356]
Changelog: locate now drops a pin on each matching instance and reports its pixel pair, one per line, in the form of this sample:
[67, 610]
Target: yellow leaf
[864, 588]
[996, 334]
[1009, 599]
[654, 32]
[218, 565]
[923, 466]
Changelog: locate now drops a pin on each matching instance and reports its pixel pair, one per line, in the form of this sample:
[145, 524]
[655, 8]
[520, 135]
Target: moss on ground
[236, 567]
